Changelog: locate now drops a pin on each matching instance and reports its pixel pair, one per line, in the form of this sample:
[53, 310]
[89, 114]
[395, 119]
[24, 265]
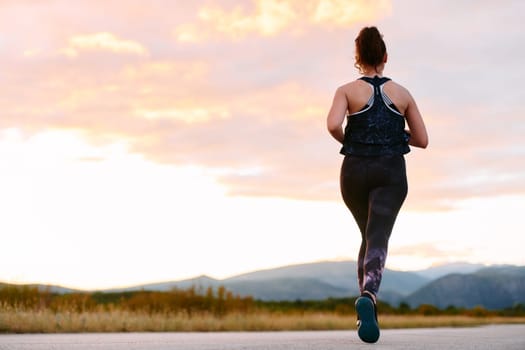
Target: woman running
[373, 175]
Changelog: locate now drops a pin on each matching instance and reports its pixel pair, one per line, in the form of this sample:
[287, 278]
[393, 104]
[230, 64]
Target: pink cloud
[253, 111]
[426, 250]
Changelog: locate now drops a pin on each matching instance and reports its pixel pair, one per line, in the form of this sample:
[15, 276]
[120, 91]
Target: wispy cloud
[102, 41]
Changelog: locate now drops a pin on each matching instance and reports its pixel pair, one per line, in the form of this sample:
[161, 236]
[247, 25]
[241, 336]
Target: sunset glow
[150, 141]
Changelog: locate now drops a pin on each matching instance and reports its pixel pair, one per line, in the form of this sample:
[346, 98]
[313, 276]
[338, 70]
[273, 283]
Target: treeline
[193, 300]
[215, 301]
[346, 306]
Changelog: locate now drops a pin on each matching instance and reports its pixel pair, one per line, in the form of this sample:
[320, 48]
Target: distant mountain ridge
[458, 284]
[45, 287]
[493, 288]
[319, 280]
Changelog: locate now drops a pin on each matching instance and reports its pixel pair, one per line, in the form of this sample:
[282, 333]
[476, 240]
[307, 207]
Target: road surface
[500, 337]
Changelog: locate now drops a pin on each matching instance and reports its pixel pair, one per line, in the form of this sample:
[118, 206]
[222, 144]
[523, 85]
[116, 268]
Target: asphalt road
[480, 338]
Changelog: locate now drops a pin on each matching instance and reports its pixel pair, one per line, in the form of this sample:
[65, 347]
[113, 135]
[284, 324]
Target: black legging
[374, 189]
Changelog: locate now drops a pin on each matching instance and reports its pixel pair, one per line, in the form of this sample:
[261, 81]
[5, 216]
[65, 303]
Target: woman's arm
[336, 116]
[416, 125]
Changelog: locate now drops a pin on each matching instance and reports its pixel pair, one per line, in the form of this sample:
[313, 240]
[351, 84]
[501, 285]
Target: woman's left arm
[336, 116]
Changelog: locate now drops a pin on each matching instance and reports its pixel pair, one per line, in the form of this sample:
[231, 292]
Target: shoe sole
[368, 329]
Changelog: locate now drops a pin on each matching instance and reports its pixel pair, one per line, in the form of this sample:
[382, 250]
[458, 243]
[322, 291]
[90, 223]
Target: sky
[148, 141]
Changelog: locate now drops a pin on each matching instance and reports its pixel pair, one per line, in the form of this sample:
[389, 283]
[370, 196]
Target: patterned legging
[374, 189]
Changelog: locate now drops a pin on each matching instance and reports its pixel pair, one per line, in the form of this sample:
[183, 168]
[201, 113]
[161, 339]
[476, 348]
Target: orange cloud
[341, 13]
[186, 114]
[271, 17]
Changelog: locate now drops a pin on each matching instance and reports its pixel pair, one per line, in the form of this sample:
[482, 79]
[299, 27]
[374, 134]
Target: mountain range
[458, 284]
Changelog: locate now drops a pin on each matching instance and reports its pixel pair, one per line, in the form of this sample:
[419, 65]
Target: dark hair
[370, 49]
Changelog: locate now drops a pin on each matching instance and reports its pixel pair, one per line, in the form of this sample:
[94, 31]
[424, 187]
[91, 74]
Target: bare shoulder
[394, 87]
[357, 88]
[357, 94]
[352, 86]
[399, 95]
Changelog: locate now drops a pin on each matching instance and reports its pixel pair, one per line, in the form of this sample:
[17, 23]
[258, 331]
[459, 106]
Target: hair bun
[370, 48]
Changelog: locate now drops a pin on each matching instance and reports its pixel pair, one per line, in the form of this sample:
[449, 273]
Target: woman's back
[352, 97]
[378, 127]
[358, 93]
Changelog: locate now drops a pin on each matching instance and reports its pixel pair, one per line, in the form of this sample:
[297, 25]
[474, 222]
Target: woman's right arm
[416, 125]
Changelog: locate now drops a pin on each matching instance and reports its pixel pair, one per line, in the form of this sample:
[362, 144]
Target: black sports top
[378, 129]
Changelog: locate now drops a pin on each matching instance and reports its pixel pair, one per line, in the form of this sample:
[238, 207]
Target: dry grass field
[46, 321]
[26, 309]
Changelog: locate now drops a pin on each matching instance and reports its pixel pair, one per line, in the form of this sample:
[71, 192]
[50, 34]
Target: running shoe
[367, 326]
